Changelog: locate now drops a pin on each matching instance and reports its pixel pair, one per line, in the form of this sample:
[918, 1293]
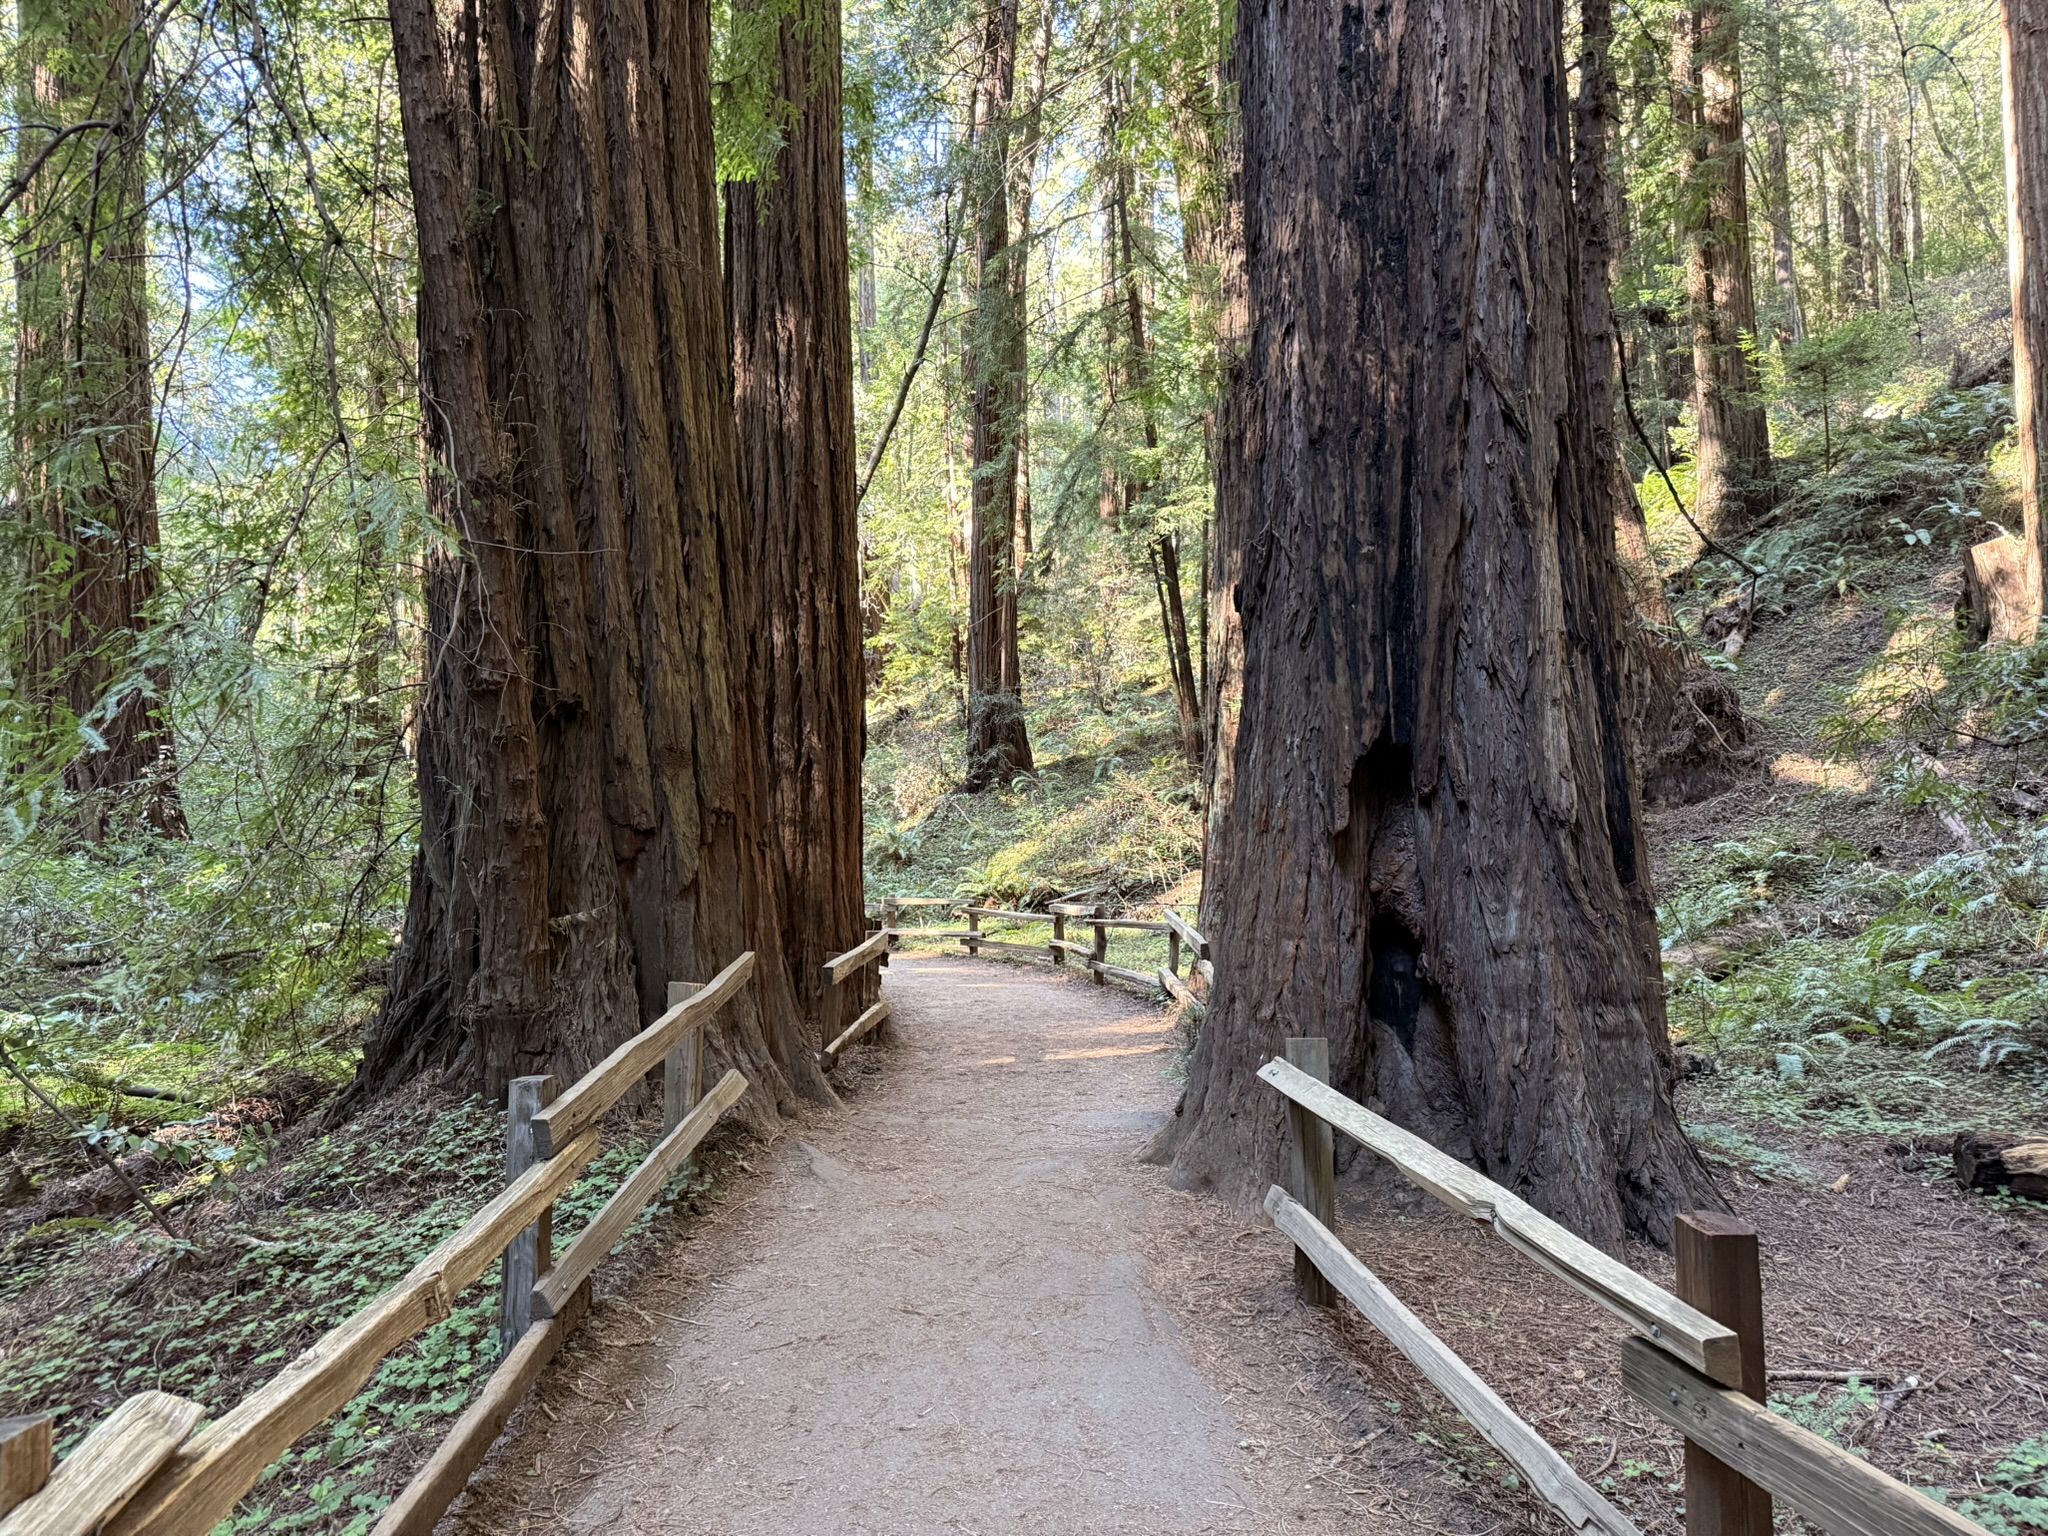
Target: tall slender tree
[792, 347]
[592, 810]
[84, 409]
[1778, 165]
[998, 744]
[1733, 452]
[1432, 847]
[2025, 56]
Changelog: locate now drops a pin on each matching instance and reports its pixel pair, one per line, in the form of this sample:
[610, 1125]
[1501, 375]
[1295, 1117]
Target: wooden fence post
[24, 1458]
[973, 927]
[1312, 1167]
[1059, 937]
[1718, 1272]
[1101, 956]
[1173, 951]
[682, 1070]
[529, 1254]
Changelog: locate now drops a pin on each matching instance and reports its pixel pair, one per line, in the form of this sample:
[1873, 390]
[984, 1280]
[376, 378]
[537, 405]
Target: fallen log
[1989, 1161]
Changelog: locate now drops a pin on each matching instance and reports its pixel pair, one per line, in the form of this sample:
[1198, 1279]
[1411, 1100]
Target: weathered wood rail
[1696, 1360]
[1181, 938]
[873, 950]
[151, 1469]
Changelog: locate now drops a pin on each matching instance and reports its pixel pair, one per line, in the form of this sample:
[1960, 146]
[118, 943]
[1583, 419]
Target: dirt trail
[929, 1313]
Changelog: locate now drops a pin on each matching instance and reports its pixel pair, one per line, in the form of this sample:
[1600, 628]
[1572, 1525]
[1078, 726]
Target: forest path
[928, 1313]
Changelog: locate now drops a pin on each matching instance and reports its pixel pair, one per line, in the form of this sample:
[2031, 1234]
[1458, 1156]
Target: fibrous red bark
[592, 816]
[1432, 851]
[787, 282]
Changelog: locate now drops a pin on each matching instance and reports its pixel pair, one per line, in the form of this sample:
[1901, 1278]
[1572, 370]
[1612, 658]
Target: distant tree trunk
[1023, 175]
[1207, 152]
[1895, 197]
[1173, 625]
[2026, 204]
[84, 412]
[998, 746]
[1684, 723]
[1733, 453]
[593, 822]
[1783, 266]
[792, 327]
[1432, 851]
[1823, 244]
[1855, 258]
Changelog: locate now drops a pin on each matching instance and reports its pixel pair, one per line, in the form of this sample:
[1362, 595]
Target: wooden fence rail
[873, 950]
[1687, 1365]
[1181, 936]
[150, 1469]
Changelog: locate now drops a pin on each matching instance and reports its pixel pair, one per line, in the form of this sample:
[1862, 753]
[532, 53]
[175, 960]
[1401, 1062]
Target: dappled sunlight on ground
[1819, 773]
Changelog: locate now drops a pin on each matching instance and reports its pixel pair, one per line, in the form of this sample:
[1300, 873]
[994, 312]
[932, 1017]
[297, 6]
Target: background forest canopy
[210, 808]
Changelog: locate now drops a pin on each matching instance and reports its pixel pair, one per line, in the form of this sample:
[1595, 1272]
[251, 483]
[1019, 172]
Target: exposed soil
[962, 1304]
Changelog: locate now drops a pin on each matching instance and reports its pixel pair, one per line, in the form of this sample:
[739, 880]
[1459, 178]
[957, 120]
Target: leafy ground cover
[264, 1257]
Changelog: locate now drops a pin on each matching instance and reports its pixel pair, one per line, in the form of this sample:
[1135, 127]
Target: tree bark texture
[792, 327]
[2026, 204]
[1732, 456]
[998, 745]
[592, 815]
[84, 413]
[1432, 850]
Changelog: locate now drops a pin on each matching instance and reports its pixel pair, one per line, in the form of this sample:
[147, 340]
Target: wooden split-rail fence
[1696, 1360]
[150, 1468]
[1182, 939]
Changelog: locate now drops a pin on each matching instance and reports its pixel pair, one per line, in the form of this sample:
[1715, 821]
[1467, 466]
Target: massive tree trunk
[1432, 852]
[2026, 204]
[792, 330]
[998, 745]
[592, 816]
[1733, 453]
[84, 412]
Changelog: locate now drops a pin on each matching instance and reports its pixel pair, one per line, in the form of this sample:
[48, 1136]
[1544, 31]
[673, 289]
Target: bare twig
[924, 336]
[1628, 401]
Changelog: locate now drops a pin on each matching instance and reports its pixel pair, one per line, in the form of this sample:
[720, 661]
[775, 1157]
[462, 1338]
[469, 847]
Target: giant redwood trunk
[591, 805]
[84, 411]
[792, 349]
[1432, 853]
[1732, 456]
[2026, 199]
[998, 745]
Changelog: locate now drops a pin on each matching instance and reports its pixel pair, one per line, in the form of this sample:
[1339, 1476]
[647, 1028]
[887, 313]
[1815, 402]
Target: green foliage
[1829, 1411]
[1884, 982]
[341, 1220]
[2016, 1501]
